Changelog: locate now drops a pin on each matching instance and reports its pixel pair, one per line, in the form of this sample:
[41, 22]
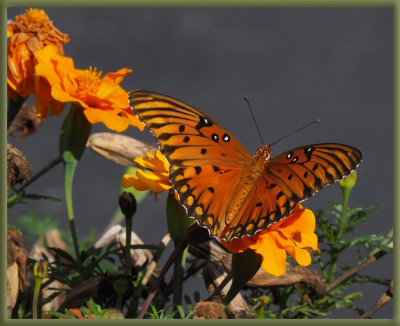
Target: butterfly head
[264, 152]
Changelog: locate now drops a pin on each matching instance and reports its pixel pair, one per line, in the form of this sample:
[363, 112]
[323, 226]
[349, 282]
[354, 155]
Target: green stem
[69, 170]
[343, 220]
[218, 290]
[36, 293]
[342, 226]
[177, 281]
[128, 227]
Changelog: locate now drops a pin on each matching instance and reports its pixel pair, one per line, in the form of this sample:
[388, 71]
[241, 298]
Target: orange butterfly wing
[290, 178]
[304, 170]
[206, 160]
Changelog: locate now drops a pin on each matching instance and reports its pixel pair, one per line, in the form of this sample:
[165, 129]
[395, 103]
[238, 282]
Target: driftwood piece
[292, 276]
[16, 267]
[25, 123]
[214, 274]
[118, 148]
[385, 298]
[118, 233]
[18, 167]
[98, 288]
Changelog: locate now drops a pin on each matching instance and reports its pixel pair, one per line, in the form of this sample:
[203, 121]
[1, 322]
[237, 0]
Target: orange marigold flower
[293, 235]
[101, 98]
[29, 33]
[156, 179]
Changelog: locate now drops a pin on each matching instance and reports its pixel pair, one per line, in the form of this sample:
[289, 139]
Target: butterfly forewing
[206, 160]
[187, 137]
[302, 171]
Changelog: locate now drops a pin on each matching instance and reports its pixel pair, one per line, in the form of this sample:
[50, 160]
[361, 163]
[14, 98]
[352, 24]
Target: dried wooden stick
[386, 297]
[357, 268]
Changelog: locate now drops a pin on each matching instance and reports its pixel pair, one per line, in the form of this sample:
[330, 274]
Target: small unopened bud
[40, 269]
[127, 203]
[349, 181]
[113, 314]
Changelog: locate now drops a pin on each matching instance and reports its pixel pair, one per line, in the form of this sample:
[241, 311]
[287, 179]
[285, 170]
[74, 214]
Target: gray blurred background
[294, 64]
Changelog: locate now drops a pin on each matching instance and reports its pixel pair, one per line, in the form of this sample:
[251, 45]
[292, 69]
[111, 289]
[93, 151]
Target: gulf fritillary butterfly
[225, 189]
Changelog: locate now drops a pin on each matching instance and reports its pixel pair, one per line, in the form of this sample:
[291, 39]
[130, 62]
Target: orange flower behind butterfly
[156, 179]
[101, 98]
[293, 235]
[30, 32]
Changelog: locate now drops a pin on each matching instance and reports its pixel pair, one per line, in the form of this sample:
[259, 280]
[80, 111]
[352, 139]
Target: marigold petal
[58, 93]
[10, 30]
[238, 245]
[51, 65]
[111, 120]
[302, 256]
[302, 220]
[161, 164]
[156, 163]
[147, 180]
[155, 182]
[273, 257]
[146, 162]
[117, 76]
[310, 241]
[135, 122]
[133, 181]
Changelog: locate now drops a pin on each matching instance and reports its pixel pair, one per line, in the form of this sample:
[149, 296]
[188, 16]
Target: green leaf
[177, 219]
[59, 314]
[181, 312]
[244, 266]
[74, 134]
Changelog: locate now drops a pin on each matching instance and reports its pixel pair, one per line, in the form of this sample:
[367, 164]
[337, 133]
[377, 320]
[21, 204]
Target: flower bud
[113, 314]
[348, 181]
[127, 203]
[40, 269]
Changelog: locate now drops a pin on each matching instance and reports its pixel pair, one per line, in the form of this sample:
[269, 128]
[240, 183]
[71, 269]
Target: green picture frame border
[395, 4]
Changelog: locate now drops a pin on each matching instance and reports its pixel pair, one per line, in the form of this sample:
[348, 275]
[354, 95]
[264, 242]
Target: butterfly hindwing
[205, 192]
[265, 205]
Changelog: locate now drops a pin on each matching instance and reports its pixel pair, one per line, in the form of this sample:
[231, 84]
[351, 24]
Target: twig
[153, 264]
[357, 268]
[386, 297]
[45, 169]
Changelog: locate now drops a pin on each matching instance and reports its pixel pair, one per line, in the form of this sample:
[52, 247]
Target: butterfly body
[225, 189]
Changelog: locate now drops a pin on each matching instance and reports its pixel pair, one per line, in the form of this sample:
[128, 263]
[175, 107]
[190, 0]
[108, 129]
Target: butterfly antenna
[306, 125]
[254, 119]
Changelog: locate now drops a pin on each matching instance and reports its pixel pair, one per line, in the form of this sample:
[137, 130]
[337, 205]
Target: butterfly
[220, 184]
